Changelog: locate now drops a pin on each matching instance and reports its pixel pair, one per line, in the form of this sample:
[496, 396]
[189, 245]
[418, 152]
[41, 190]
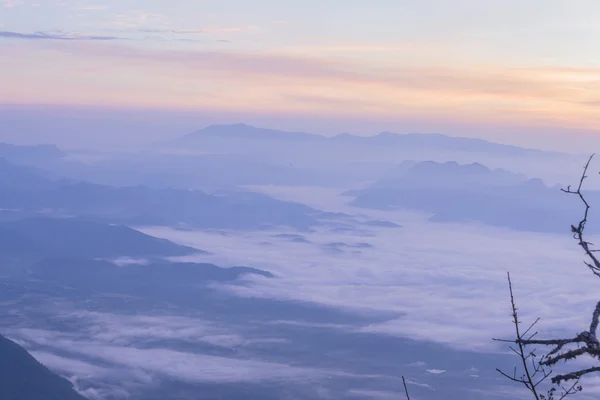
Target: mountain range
[348, 160]
[461, 193]
[22, 377]
[241, 132]
[450, 174]
[31, 155]
[153, 280]
[235, 155]
[25, 193]
[43, 237]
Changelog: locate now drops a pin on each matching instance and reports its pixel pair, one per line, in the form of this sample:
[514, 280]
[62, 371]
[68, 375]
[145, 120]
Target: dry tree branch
[534, 368]
[578, 230]
[405, 388]
[529, 374]
[587, 340]
[576, 375]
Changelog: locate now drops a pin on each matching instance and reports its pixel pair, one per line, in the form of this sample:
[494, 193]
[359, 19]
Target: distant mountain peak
[386, 134]
[450, 167]
[535, 183]
[344, 135]
[438, 141]
[30, 155]
[447, 174]
[245, 131]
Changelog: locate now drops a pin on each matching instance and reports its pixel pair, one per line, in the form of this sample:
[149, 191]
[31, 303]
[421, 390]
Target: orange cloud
[136, 76]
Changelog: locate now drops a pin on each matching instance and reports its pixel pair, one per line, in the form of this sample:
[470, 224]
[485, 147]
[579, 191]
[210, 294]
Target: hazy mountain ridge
[429, 140]
[22, 377]
[348, 160]
[137, 279]
[451, 174]
[194, 327]
[19, 177]
[244, 131]
[31, 155]
[43, 237]
[141, 205]
[464, 193]
[247, 155]
[165, 170]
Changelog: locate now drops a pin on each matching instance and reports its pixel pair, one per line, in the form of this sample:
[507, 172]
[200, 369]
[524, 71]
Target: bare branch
[587, 342]
[527, 378]
[595, 317]
[405, 388]
[578, 231]
[574, 388]
[574, 375]
[570, 355]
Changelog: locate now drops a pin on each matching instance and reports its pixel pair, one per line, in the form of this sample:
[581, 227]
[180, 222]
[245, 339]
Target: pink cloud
[282, 82]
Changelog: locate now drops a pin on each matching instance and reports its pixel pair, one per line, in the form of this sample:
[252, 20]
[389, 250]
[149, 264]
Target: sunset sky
[531, 64]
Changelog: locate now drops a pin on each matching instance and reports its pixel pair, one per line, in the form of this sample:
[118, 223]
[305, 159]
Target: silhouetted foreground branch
[578, 230]
[537, 370]
[405, 389]
[534, 373]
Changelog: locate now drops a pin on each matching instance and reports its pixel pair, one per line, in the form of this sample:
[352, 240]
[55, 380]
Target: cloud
[436, 371]
[126, 330]
[446, 283]
[71, 366]
[371, 394]
[93, 381]
[193, 367]
[249, 63]
[136, 19]
[124, 261]
[54, 36]
[108, 355]
[423, 385]
[279, 80]
[512, 393]
[92, 8]
[418, 364]
[12, 3]
[311, 325]
[175, 31]
[99, 366]
[141, 364]
[203, 30]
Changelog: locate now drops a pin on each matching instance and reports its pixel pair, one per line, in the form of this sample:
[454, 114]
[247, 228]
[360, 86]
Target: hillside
[23, 190]
[30, 155]
[22, 377]
[44, 237]
[472, 193]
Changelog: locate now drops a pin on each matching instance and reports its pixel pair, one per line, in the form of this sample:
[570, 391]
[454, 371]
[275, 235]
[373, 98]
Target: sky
[504, 70]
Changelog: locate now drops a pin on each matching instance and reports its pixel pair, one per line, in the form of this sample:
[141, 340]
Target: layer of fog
[447, 280]
[434, 283]
[110, 128]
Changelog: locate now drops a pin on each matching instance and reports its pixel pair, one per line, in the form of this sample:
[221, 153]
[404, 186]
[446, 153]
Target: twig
[578, 231]
[587, 341]
[528, 378]
[405, 388]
